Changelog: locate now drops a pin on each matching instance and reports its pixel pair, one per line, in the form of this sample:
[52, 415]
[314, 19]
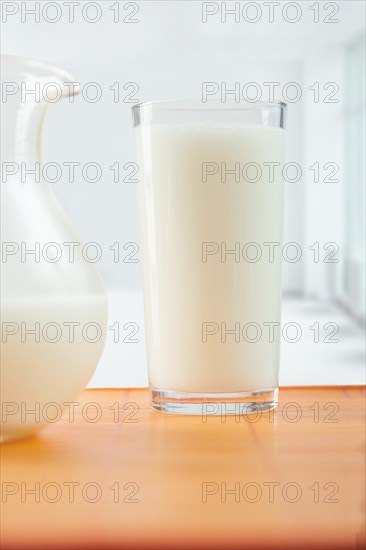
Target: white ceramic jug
[53, 307]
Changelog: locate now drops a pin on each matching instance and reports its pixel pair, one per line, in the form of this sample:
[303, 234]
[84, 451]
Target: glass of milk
[210, 204]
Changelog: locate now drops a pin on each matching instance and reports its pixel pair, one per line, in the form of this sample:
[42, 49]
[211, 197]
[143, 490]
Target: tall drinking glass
[210, 202]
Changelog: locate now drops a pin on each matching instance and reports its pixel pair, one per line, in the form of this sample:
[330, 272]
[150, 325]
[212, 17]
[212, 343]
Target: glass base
[214, 404]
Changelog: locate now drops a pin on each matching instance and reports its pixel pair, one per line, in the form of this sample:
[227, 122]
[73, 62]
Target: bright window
[354, 197]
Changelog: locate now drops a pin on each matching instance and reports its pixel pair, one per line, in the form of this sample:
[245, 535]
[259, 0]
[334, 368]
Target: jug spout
[28, 89]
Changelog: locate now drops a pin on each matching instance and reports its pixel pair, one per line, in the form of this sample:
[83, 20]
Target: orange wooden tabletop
[116, 474]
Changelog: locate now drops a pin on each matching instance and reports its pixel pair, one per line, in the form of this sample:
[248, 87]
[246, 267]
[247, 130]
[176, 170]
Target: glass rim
[196, 104]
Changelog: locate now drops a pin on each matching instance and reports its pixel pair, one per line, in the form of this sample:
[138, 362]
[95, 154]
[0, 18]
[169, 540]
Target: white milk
[49, 350]
[185, 297]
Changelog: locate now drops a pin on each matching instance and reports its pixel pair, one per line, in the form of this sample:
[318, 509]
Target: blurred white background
[168, 53]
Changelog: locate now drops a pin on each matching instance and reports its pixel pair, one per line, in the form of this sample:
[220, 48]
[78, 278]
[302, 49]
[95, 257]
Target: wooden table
[137, 479]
